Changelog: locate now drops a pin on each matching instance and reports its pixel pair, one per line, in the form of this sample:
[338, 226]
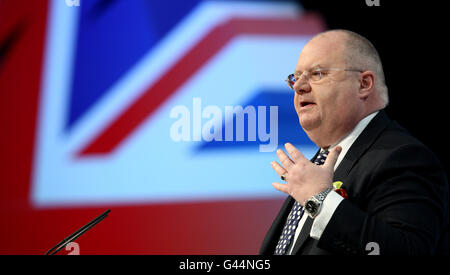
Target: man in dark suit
[395, 198]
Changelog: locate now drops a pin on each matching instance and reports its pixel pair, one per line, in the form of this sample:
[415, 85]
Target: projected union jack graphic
[92, 95]
[114, 70]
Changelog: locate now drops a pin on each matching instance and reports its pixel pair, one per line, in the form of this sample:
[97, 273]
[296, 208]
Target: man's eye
[316, 75]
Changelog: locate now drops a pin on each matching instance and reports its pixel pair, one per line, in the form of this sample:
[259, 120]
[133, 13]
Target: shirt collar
[347, 141]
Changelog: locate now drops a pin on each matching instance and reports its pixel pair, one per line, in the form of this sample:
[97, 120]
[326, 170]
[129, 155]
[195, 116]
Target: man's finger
[278, 168]
[332, 157]
[280, 187]
[284, 159]
[295, 154]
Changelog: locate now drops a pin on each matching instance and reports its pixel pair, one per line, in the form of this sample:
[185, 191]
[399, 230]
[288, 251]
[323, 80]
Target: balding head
[359, 53]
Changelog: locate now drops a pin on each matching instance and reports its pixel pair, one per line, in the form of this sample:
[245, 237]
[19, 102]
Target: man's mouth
[306, 104]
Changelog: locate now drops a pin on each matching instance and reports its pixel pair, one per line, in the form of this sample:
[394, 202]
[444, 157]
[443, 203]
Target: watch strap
[322, 195]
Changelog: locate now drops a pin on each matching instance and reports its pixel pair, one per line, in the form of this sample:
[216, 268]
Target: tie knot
[321, 157]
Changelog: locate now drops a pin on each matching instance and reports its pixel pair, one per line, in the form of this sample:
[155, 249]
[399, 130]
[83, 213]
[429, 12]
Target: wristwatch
[313, 204]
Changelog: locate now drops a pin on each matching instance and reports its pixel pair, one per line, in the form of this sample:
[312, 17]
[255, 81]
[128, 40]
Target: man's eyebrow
[316, 66]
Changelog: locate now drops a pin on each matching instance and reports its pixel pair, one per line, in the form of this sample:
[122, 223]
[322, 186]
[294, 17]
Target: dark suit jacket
[398, 198]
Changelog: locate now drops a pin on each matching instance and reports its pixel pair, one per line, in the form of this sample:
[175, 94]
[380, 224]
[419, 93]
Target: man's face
[328, 105]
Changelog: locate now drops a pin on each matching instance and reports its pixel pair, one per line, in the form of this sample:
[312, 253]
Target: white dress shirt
[333, 199]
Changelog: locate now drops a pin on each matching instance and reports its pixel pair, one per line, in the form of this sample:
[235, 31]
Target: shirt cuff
[329, 205]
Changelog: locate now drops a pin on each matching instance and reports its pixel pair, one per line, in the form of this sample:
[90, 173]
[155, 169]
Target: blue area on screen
[110, 41]
[289, 129]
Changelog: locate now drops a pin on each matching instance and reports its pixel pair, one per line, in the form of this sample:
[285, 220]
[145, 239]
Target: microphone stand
[77, 234]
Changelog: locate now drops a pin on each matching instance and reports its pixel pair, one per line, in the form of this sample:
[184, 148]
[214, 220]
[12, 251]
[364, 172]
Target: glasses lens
[291, 81]
[316, 76]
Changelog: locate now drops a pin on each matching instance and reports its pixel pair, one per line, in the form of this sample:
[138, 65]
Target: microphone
[77, 233]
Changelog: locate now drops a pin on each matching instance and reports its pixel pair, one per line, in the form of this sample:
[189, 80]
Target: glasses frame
[291, 83]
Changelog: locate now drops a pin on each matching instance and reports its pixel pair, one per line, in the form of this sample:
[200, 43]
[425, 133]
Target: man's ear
[367, 83]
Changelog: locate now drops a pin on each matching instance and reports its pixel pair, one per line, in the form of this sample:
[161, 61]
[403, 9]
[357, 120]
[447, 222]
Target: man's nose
[302, 86]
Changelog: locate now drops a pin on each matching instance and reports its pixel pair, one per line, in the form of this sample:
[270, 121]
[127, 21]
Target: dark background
[409, 36]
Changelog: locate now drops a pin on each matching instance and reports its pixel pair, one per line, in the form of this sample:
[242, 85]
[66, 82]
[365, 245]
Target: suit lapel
[304, 234]
[361, 145]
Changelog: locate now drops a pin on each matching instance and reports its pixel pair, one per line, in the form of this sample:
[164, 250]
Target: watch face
[311, 207]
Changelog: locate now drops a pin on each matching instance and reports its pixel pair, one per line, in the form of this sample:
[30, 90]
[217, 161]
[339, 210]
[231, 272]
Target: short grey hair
[362, 54]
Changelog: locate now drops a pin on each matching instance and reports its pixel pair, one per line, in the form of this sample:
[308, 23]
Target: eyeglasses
[314, 75]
